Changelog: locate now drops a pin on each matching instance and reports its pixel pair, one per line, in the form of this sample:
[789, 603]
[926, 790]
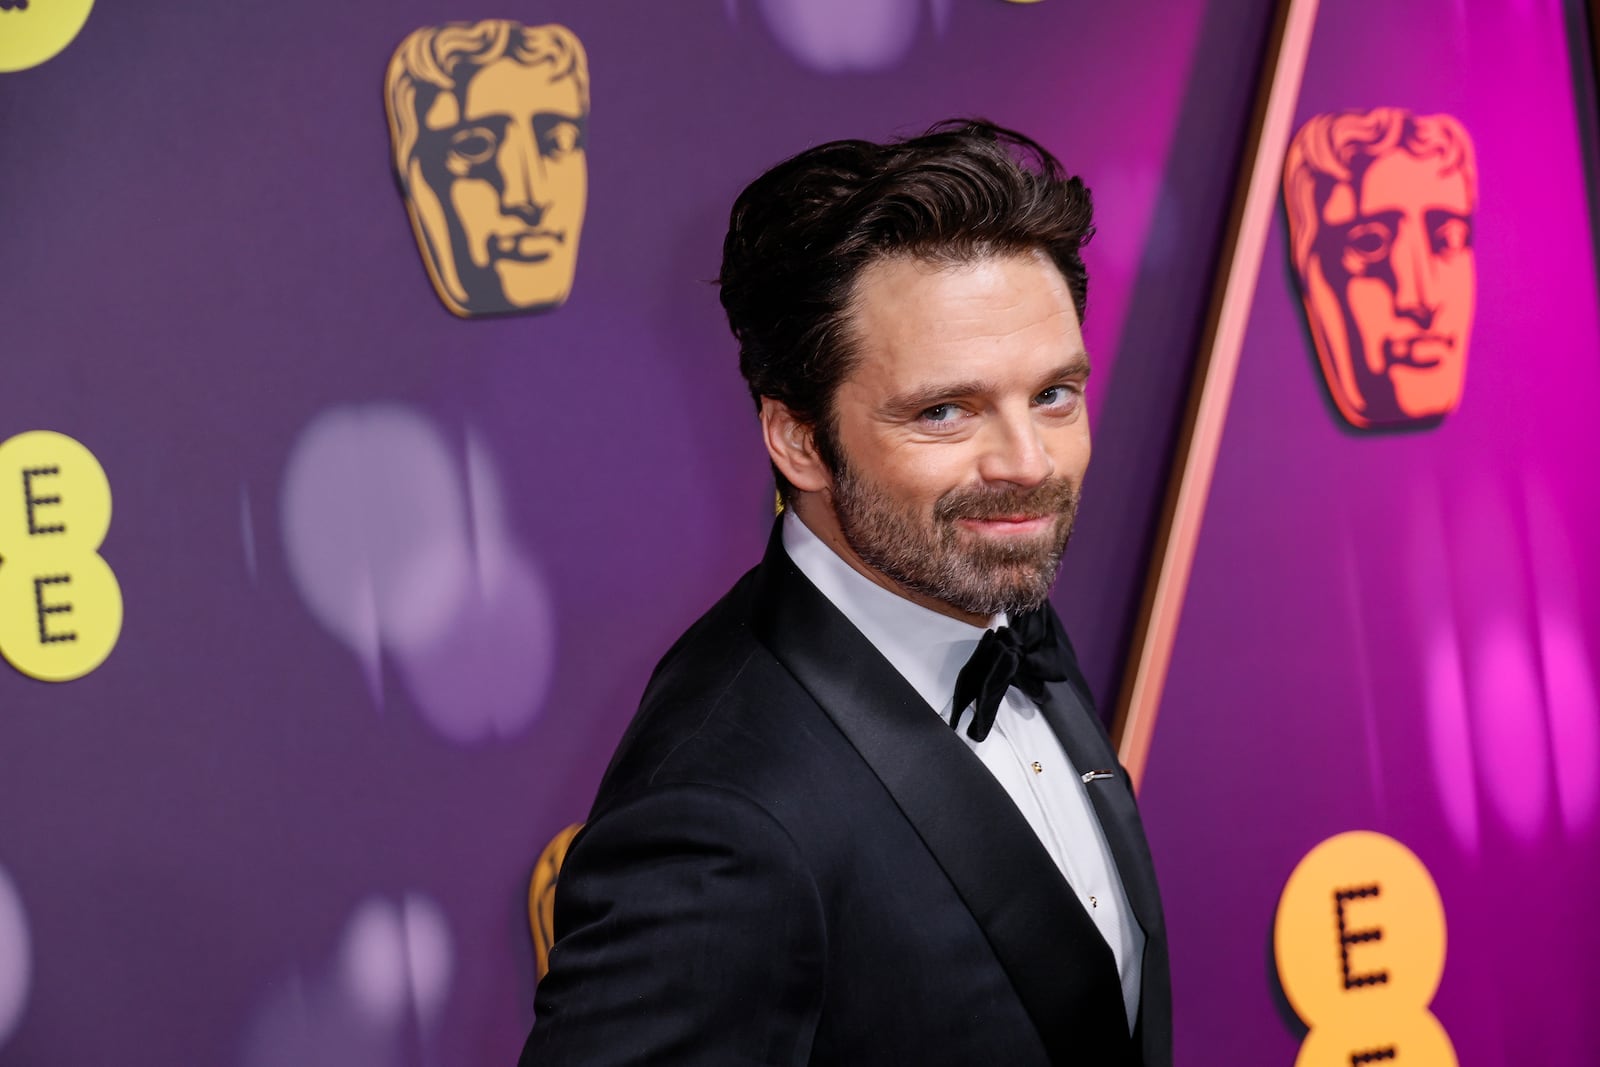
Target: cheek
[922, 475]
[916, 474]
[1372, 306]
[476, 205]
[1325, 307]
[1458, 283]
[569, 187]
[1070, 448]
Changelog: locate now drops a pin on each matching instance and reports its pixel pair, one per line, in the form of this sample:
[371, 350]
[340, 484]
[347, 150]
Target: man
[487, 125]
[1381, 207]
[793, 857]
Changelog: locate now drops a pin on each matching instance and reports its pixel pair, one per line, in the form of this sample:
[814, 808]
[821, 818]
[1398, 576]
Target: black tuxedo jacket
[793, 860]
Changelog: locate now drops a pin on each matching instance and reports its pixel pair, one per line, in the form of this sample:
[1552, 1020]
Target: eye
[1370, 241]
[474, 146]
[940, 414]
[1063, 397]
[1452, 235]
[560, 138]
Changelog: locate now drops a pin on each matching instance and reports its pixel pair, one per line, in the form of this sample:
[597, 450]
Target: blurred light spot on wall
[15, 959]
[1574, 721]
[397, 959]
[487, 675]
[373, 963]
[1569, 685]
[1493, 603]
[1510, 727]
[1512, 709]
[1450, 736]
[1431, 616]
[372, 1004]
[247, 534]
[374, 528]
[844, 36]
[430, 955]
[312, 1024]
[402, 551]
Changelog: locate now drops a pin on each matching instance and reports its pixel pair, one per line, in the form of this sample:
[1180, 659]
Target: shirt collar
[927, 648]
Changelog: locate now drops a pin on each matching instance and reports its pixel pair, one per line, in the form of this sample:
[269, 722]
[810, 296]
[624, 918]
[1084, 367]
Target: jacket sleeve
[688, 931]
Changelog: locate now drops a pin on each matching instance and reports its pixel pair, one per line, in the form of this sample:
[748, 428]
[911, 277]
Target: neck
[816, 511]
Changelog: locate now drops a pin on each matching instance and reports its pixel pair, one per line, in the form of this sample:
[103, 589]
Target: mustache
[1057, 496]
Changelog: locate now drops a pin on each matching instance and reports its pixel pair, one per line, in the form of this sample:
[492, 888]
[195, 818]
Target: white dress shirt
[1022, 752]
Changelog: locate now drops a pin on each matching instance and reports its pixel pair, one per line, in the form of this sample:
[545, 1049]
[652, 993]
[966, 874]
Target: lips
[1423, 350]
[528, 246]
[1008, 524]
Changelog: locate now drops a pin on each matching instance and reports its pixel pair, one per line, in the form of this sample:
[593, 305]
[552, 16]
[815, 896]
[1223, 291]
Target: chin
[522, 293]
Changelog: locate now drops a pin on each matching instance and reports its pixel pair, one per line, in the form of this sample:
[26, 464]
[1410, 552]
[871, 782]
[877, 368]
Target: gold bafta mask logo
[487, 123]
[1381, 209]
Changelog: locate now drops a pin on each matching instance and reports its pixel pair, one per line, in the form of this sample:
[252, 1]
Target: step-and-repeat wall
[368, 428]
[1385, 678]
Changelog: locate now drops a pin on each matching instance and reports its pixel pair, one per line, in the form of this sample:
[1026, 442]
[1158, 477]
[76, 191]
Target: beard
[934, 556]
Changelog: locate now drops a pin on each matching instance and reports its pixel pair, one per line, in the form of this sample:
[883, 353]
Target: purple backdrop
[1401, 631]
[393, 580]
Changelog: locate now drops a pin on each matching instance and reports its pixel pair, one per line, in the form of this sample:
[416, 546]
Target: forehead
[507, 87]
[1399, 181]
[989, 318]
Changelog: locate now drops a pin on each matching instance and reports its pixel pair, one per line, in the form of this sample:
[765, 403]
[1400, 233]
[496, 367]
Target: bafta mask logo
[487, 124]
[1381, 206]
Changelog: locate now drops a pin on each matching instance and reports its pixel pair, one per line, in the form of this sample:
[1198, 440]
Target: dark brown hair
[800, 235]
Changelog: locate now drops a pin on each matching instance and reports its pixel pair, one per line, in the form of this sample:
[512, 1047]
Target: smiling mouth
[530, 246]
[1423, 351]
[1008, 525]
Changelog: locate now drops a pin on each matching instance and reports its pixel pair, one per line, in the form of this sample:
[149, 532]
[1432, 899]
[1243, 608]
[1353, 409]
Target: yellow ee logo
[1359, 941]
[32, 31]
[60, 605]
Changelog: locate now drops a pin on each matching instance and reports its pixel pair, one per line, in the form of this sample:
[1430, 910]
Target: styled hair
[438, 59]
[1336, 149]
[801, 234]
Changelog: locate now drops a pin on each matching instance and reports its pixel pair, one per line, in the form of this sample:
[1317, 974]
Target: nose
[1416, 281]
[1014, 453]
[522, 173]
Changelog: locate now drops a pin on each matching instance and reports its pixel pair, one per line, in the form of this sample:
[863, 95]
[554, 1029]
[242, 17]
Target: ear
[792, 447]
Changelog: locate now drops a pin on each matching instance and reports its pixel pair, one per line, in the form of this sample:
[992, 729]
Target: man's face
[1393, 285]
[505, 159]
[961, 432]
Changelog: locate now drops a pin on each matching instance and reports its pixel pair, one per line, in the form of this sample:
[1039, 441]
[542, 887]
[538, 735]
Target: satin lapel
[1061, 968]
[1070, 711]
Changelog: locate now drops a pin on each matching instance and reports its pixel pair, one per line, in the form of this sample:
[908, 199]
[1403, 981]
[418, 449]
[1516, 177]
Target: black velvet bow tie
[1028, 653]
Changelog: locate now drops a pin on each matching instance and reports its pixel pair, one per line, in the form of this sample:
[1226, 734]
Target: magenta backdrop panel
[394, 580]
[1400, 631]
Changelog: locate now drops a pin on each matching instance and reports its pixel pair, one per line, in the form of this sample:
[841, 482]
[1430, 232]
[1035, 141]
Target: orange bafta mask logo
[1381, 209]
[487, 123]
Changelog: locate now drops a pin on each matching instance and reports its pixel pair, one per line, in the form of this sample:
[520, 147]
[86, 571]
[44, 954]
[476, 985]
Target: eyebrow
[476, 118]
[914, 402]
[1387, 213]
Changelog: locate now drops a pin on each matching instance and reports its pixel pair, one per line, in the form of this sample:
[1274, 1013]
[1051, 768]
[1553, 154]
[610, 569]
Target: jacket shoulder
[720, 710]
